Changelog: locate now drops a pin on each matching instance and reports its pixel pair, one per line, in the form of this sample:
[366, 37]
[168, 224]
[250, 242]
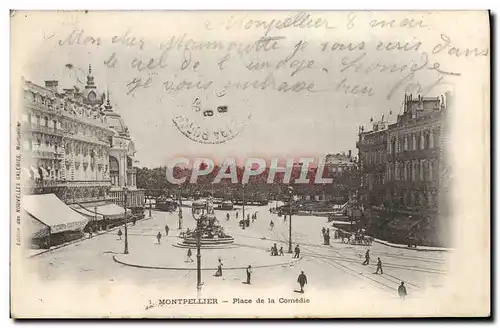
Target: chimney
[52, 85]
[69, 92]
[350, 153]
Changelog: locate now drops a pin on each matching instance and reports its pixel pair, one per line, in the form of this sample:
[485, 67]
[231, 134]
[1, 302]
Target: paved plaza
[336, 268]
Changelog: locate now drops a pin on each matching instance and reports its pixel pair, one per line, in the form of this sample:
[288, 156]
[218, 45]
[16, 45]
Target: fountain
[212, 234]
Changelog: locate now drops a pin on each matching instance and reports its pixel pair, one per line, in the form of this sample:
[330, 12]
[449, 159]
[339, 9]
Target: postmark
[215, 118]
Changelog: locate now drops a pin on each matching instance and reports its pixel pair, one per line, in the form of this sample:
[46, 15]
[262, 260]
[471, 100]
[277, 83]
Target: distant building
[342, 168]
[372, 149]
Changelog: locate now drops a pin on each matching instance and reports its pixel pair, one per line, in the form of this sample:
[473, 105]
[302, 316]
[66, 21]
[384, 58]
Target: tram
[164, 203]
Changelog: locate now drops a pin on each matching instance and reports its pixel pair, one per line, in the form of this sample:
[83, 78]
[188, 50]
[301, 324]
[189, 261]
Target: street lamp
[95, 221]
[125, 191]
[290, 192]
[150, 205]
[244, 222]
[180, 209]
[199, 210]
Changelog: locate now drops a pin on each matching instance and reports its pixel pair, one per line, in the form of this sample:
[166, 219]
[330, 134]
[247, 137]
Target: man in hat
[367, 257]
[379, 266]
[302, 280]
[249, 274]
[402, 291]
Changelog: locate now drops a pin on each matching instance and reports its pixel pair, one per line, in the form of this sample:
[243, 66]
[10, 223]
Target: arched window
[114, 171]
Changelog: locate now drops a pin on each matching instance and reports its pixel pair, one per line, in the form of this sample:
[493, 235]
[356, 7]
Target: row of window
[75, 128]
[77, 109]
[422, 170]
[54, 147]
[416, 198]
[373, 157]
[421, 140]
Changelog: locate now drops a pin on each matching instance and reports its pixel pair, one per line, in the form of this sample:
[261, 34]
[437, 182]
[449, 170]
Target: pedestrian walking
[189, 254]
[227, 217]
[249, 274]
[297, 252]
[274, 250]
[134, 218]
[271, 225]
[402, 291]
[323, 230]
[120, 234]
[167, 229]
[302, 280]
[281, 251]
[218, 273]
[379, 266]
[236, 214]
[158, 236]
[367, 257]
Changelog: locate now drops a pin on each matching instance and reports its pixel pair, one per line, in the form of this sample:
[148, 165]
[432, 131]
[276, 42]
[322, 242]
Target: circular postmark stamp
[214, 118]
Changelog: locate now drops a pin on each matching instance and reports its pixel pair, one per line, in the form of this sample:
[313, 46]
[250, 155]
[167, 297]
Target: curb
[79, 240]
[383, 242]
[203, 269]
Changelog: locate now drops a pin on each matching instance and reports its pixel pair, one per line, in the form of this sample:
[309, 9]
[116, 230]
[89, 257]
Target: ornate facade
[414, 154]
[403, 172]
[72, 143]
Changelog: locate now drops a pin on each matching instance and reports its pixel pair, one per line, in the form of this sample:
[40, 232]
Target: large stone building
[401, 166]
[76, 147]
[372, 147]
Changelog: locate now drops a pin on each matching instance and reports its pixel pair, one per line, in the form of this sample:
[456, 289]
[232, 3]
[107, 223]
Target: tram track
[342, 257]
[352, 272]
[386, 276]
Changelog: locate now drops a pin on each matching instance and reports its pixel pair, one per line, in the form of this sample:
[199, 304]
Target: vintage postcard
[260, 164]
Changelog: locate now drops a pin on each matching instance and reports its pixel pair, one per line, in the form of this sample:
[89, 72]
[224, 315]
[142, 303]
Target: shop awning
[35, 172]
[111, 211]
[52, 212]
[87, 212]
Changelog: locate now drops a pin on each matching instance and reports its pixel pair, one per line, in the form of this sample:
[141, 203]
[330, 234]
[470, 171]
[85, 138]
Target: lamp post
[199, 210]
[95, 220]
[125, 191]
[244, 222]
[180, 210]
[150, 205]
[290, 191]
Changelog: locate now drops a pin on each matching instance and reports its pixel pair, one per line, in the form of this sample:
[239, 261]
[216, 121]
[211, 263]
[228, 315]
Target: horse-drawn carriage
[356, 238]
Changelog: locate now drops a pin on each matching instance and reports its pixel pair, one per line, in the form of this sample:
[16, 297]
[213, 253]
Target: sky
[342, 88]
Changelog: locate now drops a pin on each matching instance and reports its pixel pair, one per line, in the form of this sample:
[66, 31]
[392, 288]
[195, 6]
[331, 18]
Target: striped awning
[44, 172]
[35, 172]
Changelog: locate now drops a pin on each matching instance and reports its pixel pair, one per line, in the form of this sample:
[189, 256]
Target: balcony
[413, 185]
[43, 154]
[79, 137]
[30, 104]
[414, 154]
[374, 168]
[63, 183]
[45, 130]
[88, 183]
